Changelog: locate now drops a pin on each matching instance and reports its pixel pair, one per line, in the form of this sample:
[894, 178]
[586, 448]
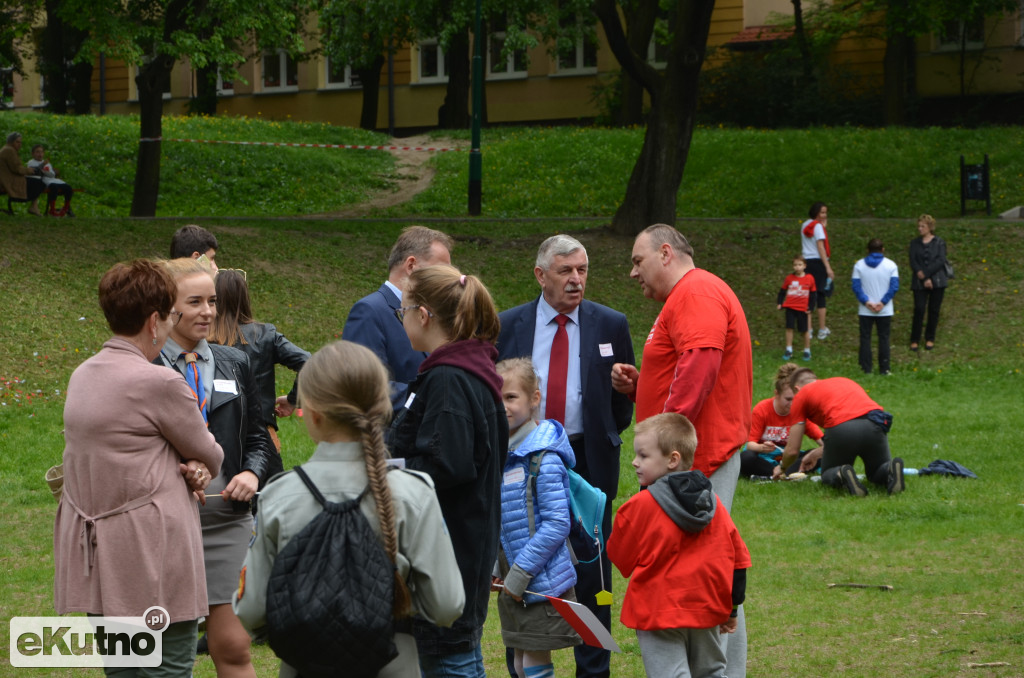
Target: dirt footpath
[414, 175]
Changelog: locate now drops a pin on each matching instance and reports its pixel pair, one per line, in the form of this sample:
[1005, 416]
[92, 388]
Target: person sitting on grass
[54, 187]
[685, 559]
[798, 296]
[770, 424]
[855, 426]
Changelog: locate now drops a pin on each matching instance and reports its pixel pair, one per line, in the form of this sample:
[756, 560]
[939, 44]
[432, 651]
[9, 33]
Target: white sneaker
[824, 332]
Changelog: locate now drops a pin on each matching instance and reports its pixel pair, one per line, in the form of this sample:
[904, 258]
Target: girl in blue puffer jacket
[534, 554]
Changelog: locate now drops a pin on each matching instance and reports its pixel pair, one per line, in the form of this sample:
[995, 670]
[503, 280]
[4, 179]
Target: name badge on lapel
[225, 386]
[606, 350]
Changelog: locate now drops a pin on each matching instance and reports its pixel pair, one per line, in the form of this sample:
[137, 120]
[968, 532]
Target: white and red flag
[583, 621]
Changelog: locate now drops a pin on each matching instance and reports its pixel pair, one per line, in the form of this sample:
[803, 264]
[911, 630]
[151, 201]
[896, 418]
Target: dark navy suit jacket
[372, 322]
[606, 412]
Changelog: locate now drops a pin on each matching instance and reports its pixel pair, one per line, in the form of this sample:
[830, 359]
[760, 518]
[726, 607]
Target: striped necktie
[195, 382]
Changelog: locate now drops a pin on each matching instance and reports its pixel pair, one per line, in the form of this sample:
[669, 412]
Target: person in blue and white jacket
[876, 280]
[534, 554]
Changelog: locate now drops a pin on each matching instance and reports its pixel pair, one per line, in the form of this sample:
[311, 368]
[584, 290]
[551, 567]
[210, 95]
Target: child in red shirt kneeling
[683, 554]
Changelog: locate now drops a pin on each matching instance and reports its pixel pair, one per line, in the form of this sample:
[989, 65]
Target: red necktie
[558, 369]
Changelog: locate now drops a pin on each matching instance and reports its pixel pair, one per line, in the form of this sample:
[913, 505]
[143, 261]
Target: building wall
[541, 93]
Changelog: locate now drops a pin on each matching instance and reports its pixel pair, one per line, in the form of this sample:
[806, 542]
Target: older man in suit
[373, 322]
[574, 343]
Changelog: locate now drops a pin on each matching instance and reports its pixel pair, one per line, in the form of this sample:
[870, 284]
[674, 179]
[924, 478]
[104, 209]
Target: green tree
[65, 82]
[654, 183]
[16, 18]
[359, 33]
[155, 34]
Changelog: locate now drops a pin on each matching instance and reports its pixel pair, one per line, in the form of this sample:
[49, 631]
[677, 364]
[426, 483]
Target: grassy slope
[528, 172]
[948, 547]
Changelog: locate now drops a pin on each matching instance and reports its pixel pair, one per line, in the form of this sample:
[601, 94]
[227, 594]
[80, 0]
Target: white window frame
[442, 68]
[510, 72]
[652, 55]
[223, 91]
[579, 57]
[350, 81]
[283, 58]
[944, 46]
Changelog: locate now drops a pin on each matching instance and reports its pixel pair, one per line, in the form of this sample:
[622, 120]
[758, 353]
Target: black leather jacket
[266, 347]
[236, 420]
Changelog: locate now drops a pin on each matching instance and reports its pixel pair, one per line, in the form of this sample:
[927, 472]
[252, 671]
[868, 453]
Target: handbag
[950, 273]
[55, 479]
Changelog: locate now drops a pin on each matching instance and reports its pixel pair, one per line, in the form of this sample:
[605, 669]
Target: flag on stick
[583, 621]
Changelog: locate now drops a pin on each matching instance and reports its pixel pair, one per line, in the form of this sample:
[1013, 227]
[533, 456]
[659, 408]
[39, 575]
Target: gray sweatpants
[723, 481]
[682, 653]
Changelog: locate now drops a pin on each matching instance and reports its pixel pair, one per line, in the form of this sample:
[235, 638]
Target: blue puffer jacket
[540, 562]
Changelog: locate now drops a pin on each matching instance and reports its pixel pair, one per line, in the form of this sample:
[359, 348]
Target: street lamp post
[475, 159]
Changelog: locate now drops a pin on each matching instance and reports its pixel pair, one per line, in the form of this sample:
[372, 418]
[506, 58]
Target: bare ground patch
[414, 175]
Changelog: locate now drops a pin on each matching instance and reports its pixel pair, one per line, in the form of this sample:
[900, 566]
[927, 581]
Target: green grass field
[949, 548]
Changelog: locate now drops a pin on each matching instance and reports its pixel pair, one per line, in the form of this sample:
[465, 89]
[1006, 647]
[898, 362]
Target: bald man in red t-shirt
[697, 362]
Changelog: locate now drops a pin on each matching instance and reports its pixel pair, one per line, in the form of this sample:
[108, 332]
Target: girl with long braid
[343, 390]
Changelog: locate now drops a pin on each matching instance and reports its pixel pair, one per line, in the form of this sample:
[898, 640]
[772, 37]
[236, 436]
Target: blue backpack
[586, 511]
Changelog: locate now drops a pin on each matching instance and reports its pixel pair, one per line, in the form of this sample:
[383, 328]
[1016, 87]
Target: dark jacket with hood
[453, 427]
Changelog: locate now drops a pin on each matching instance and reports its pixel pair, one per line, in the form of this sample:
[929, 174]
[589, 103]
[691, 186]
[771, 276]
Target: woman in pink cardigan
[137, 456]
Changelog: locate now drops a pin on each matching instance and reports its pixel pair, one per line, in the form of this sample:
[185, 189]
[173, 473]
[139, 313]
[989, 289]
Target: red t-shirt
[701, 312]
[677, 579]
[766, 425]
[798, 291]
[830, 402]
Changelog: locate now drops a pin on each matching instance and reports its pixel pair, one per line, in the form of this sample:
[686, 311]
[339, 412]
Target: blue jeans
[460, 665]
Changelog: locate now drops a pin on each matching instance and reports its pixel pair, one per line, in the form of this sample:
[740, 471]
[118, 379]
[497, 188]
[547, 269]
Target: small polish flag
[583, 621]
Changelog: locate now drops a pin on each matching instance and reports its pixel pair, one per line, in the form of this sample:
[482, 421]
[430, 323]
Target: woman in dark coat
[265, 346]
[928, 281]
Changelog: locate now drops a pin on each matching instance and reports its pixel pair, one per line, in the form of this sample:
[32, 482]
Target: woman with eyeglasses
[137, 456]
[224, 392]
[453, 427]
[266, 347]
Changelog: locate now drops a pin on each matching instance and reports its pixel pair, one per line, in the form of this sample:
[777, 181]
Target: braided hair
[348, 385]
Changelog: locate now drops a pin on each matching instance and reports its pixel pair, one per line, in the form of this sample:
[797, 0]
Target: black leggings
[855, 438]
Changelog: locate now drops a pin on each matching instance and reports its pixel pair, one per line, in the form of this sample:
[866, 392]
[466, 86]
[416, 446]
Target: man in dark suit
[373, 322]
[594, 414]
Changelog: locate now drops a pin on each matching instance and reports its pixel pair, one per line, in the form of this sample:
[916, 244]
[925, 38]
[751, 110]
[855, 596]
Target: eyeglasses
[236, 270]
[176, 317]
[400, 312]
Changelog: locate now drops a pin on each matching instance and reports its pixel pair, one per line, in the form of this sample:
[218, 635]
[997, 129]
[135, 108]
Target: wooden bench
[54, 212]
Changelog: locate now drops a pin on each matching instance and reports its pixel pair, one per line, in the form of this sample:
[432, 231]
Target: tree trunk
[654, 183]
[894, 85]
[150, 83]
[81, 88]
[631, 102]
[370, 79]
[640, 18]
[51, 67]
[454, 113]
[801, 41]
